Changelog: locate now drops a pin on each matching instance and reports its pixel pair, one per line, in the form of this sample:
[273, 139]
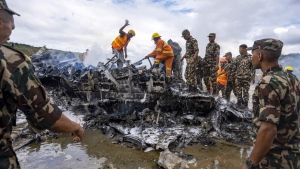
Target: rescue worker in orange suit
[162, 52]
[119, 45]
[222, 77]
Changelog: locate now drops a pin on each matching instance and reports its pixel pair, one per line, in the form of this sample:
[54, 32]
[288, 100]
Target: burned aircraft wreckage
[138, 105]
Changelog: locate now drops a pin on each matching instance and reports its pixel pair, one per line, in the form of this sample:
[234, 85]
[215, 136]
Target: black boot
[195, 90]
[245, 103]
[239, 103]
[192, 89]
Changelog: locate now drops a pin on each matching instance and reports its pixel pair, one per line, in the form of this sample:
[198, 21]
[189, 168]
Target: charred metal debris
[138, 106]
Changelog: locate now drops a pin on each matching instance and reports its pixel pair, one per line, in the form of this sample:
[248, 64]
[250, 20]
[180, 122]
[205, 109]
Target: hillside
[27, 49]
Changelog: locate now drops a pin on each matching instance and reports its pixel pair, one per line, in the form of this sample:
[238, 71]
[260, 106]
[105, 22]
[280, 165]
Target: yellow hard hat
[131, 32]
[155, 35]
[289, 68]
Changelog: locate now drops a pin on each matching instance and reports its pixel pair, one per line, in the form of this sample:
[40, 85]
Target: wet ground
[98, 151]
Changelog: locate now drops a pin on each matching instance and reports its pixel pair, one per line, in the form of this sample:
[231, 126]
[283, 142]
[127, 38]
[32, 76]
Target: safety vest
[166, 49]
[120, 42]
[222, 79]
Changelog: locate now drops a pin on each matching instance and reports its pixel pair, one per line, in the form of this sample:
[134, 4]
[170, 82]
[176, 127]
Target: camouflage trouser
[199, 80]
[210, 75]
[229, 88]
[8, 158]
[222, 88]
[190, 74]
[242, 89]
[199, 72]
[177, 67]
[282, 159]
[120, 55]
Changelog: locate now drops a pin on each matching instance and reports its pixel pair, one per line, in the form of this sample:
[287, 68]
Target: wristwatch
[250, 165]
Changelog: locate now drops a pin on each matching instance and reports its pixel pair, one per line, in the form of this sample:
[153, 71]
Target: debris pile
[137, 108]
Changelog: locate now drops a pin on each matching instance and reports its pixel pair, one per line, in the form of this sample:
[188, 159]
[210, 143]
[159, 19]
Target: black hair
[243, 46]
[271, 56]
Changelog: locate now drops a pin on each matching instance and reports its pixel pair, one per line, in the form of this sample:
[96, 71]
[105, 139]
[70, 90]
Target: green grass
[26, 49]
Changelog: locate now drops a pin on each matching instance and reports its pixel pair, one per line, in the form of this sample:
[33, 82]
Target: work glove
[146, 57]
[155, 70]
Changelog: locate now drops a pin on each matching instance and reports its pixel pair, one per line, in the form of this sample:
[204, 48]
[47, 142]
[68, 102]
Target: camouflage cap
[211, 34]
[268, 44]
[185, 32]
[3, 5]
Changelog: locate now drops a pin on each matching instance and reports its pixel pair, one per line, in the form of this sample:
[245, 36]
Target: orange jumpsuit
[163, 52]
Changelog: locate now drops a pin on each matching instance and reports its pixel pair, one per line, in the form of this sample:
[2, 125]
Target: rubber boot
[192, 90]
[195, 90]
[239, 103]
[245, 103]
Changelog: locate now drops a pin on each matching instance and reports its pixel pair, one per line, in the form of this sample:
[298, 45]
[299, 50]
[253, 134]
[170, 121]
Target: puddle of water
[98, 151]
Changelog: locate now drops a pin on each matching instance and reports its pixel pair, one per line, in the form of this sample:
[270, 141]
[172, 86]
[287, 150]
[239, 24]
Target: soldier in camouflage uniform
[229, 69]
[20, 89]
[211, 63]
[276, 111]
[245, 73]
[177, 65]
[191, 56]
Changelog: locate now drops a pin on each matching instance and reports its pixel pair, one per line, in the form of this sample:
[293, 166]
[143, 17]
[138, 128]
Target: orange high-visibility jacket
[162, 48]
[222, 79]
[120, 42]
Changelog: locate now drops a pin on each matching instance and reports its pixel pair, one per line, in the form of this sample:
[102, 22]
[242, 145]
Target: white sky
[75, 25]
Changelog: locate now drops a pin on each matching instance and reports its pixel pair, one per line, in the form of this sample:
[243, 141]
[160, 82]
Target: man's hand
[181, 59]
[193, 61]
[245, 167]
[65, 125]
[126, 22]
[78, 133]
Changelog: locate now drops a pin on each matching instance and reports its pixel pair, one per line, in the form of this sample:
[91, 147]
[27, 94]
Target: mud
[98, 151]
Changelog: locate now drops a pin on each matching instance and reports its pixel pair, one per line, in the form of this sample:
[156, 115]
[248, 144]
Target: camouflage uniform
[229, 69]
[276, 99]
[209, 69]
[199, 72]
[190, 71]
[244, 73]
[177, 65]
[20, 89]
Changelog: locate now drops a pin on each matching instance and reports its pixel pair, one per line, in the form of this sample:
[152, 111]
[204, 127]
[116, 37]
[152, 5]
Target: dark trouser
[177, 67]
[229, 88]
